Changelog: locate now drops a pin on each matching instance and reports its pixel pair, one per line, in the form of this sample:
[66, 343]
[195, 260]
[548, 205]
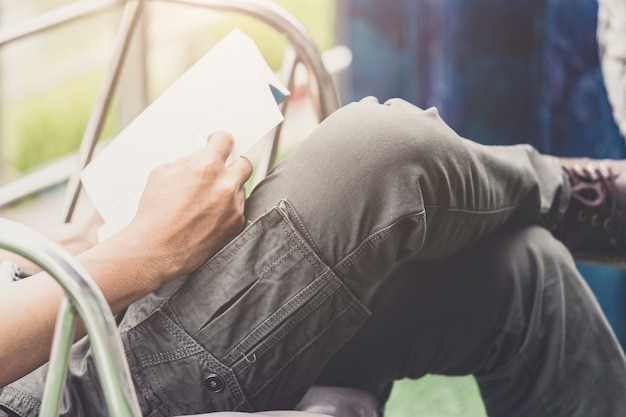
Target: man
[384, 247]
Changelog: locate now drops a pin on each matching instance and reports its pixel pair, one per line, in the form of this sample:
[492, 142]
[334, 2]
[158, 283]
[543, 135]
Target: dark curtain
[500, 72]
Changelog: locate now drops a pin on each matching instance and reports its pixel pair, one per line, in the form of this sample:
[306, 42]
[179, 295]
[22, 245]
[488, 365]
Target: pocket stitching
[352, 258]
[292, 234]
[295, 214]
[192, 349]
[330, 286]
[165, 393]
[303, 348]
[188, 349]
[261, 330]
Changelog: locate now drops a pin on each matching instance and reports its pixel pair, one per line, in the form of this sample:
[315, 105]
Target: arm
[74, 237]
[189, 210]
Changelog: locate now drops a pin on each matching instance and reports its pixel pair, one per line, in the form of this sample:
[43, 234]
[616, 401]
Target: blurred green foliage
[318, 17]
[51, 124]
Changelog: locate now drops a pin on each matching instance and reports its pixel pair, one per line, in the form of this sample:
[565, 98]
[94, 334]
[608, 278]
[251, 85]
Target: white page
[227, 89]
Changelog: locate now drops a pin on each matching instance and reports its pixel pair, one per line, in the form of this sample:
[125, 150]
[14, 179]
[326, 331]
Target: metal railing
[321, 87]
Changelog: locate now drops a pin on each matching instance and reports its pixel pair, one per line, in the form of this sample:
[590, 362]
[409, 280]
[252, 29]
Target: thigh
[513, 311]
[380, 182]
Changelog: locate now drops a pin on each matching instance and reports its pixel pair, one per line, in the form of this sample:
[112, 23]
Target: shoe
[593, 225]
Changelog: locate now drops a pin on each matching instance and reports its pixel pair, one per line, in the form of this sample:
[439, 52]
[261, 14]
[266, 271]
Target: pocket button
[214, 383]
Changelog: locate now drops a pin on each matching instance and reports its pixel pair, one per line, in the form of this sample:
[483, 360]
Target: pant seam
[498, 210]
[380, 235]
[13, 393]
[187, 350]
[164, 392]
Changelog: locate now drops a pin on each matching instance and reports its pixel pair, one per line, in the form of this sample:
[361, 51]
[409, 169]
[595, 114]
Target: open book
[230, 88]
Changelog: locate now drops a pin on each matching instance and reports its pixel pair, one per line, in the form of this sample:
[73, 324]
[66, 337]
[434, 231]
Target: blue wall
[500, 72]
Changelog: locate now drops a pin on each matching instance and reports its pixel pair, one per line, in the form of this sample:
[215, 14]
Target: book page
[227, 89]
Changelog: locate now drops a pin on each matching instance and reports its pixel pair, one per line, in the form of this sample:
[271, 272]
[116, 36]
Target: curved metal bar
[269, 157]
[85, 296]
[59, 360]
[320, 82]
[54, 18]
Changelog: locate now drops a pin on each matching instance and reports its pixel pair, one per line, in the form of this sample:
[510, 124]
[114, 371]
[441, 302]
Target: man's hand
[192, 207]
[189, 210]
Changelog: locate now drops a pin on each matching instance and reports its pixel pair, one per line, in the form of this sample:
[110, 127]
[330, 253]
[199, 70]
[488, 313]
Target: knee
[371, 136]
[393, 125]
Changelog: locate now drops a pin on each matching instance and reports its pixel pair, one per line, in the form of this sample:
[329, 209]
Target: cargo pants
[385, 246]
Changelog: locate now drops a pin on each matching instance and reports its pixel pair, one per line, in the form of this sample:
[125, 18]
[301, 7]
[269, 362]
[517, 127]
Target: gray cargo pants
[385, 246]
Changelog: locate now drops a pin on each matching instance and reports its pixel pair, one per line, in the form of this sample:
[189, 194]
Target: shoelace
[592, 185]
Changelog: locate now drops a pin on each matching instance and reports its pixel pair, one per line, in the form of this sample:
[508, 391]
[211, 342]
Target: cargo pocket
[175, 375]
[252, 328]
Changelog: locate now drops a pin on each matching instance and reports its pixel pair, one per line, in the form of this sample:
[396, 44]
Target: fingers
[219, 145]
[217, 150]
[242, 169]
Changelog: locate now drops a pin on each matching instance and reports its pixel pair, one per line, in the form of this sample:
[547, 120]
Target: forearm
[120, 267]
[188, 211]
[75, 238]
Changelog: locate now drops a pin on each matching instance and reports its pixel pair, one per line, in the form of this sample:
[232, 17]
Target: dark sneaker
[593, 225]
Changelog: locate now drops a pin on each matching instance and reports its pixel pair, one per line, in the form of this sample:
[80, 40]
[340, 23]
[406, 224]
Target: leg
[513, 311]
[382, 182]
[253, 327]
